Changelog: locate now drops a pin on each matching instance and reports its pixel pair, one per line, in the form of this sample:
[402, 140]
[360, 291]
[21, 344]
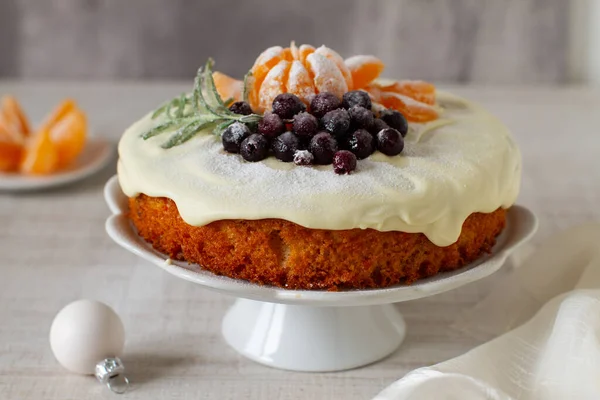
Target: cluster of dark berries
[331, 131]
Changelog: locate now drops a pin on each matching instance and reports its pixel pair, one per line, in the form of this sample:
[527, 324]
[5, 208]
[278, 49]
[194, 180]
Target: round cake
[368, 222]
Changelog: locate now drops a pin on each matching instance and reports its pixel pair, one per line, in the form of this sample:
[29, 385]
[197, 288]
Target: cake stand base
[313, 339]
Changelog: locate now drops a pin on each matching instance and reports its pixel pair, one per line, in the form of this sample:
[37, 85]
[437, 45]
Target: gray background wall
[489, 41]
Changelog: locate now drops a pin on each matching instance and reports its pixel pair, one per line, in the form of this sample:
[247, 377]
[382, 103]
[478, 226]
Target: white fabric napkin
[553, 300]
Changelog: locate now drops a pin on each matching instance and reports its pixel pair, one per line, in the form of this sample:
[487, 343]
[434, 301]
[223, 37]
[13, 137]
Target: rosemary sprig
[185, 116]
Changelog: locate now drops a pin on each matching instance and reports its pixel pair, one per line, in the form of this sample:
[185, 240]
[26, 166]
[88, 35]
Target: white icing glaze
[463, 163]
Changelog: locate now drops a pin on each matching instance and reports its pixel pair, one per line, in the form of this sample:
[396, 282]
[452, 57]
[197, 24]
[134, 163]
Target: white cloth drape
[553, 300]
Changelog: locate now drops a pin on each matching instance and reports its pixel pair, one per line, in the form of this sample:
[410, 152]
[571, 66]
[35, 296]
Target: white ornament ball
[84, 333]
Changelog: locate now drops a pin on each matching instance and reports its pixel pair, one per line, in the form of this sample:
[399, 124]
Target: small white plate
[95, 156]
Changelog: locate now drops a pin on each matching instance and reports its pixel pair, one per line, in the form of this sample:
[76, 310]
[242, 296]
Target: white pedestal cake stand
[305, 330]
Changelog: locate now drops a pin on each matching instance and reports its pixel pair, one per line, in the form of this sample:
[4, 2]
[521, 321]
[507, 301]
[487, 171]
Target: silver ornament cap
[111, 372]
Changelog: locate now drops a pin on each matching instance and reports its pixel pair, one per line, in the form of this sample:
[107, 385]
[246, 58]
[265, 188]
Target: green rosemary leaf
[210, 82]
[186, 133]
[199, 91]
[247, 79]
[180, 106]
[160, 110]
[229, 102]
[161, 128]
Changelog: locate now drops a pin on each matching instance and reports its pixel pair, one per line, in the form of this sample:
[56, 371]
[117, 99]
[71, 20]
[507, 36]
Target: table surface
[55, 250]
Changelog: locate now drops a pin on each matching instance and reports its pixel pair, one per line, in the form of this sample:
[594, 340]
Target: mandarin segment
[41, 156]
[13, 115]
[273, 84]
[326, 75]
[9, 134]
[374, 92]
[304, 51]
[364, 69]
[414, 111]
[228, 87]
[69, 136]
[10, 156]
[419, 90]
[339, 62]
[65, 107]
[265, 62]
[300, 83]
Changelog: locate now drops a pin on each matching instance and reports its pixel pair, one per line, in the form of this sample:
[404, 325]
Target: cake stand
[314, 331]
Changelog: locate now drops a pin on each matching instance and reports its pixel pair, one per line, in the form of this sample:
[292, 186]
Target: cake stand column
[314, 339]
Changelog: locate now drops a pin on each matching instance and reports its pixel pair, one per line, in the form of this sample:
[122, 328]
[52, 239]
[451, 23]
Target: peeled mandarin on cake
[228, 87]
[14, 116]
[68, 136]
[41, 155]
[364, 69]
[303, 71]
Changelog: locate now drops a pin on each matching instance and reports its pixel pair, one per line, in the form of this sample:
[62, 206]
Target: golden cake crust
[281, 253]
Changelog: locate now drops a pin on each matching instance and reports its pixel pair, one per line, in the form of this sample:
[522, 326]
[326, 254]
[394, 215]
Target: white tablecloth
[54, 250]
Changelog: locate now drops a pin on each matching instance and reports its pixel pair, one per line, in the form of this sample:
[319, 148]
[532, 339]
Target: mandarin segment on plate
[14, 116]
[41, 155]
[10, 155]
[69, 136]
[364, 69]
[413, 110]
[11, 148]
[65, 107]
[228, 87]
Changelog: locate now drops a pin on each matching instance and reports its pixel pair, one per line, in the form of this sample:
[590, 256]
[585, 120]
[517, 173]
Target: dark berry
[241, 107]
[360, 117]
[395, 120]
[305, 125]
[390, 142]
[233, 136]
[336, 122]
[271, 125]
[356, 98]
[255, 148]
[285, 146]
[378, 125]
[344, 162]
[323, 147]
[324, 102]
[303, 157]
[286, 105]
[360, 142]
